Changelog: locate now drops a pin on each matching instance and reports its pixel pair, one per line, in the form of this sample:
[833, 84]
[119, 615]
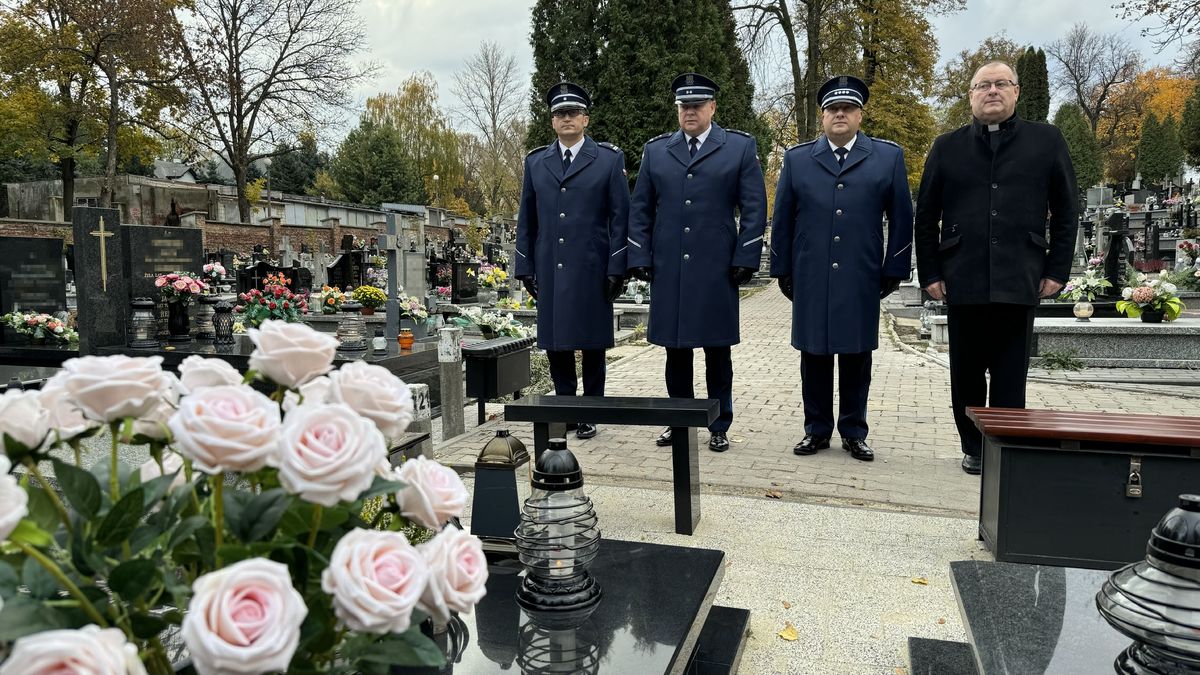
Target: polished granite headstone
[151, 250]
[31, 275]
[100, 278]
[940, 657]
[1034, 619]
[656, 600]
[25, 377]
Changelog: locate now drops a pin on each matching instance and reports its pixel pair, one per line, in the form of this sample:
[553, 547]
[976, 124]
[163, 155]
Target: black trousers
[562, 372]
[992, 339]
[718, 376]
[854, 384]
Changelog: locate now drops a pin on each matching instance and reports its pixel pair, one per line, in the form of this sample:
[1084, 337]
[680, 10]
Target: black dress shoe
[972, 465]
[858, 449]
[811, 444]
[664, 438]
[718, 442]
[585, 430]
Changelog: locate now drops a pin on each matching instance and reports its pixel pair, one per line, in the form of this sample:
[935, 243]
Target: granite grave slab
[151, 250]
[101, 279]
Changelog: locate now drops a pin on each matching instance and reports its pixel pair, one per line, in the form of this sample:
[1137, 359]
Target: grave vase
[177, 322]
[1152, 315]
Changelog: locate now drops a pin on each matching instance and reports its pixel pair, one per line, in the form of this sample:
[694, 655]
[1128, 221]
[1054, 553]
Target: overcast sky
[405, 36]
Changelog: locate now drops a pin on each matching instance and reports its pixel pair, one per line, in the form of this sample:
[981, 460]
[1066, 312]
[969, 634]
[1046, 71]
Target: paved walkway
[912, 429]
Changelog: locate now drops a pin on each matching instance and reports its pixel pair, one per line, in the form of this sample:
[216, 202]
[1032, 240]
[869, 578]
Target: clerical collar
[983, 129]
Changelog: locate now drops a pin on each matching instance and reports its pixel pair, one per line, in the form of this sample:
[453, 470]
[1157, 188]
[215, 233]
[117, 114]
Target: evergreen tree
[1025, 78]
[1149, 149]
[566, 44]
[369, 166]
[1034, 104]
[1173, 154]
[293, 171]
[1189, 127]
[1042, 110]
[1081, 143]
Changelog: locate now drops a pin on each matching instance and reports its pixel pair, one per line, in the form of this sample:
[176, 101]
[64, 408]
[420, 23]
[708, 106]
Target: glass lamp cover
[223, 323]
[352, 328]
[143, 326]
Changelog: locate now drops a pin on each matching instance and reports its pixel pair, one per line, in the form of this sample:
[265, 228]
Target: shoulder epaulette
[659, 137]
[610, 146]
[537, 149]
[740, 133]
[801, 145]
[884, 140]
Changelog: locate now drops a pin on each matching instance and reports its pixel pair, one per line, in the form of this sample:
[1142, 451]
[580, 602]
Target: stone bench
[1080, 489]
[683, 415]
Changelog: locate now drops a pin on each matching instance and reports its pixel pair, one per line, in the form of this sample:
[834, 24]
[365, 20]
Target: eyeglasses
[569, 112]
[998, 84]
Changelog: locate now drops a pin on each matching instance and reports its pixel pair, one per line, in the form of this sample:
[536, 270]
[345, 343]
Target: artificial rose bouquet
[180, 286]
[40, 326]
[245, 533]
[274, 301]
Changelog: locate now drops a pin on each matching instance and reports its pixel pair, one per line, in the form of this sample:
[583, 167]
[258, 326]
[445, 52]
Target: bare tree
[491, 95]
[806, 66]
[1090, 65]
[1180, 19]
[262, 71]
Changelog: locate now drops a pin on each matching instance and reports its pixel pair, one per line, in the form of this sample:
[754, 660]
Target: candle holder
[223, 323]
[205, 310]
[352, 328]
[143, 326]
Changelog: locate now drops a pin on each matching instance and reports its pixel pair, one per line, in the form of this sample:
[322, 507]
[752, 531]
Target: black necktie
[841, 155]
[693, 145]
[566, 161]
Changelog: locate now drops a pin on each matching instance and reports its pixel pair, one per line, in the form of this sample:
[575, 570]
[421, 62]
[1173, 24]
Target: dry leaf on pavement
[775, 494]
[787, 605]
[921, 581]
[789, 632]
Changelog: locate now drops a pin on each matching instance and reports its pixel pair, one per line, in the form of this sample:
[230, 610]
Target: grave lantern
[352, 328]
[496, 506]
[143, 326]
[223, 323]
[558, 539]
[1157, 601]
[204, 317]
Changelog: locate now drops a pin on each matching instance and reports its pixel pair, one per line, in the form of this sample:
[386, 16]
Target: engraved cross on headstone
[102, 234]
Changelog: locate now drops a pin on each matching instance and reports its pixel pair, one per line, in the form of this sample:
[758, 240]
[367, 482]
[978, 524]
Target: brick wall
[13, 227]
[237, 237]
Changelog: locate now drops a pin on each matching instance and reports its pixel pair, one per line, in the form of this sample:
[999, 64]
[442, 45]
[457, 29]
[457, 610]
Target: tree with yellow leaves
[1157, 90]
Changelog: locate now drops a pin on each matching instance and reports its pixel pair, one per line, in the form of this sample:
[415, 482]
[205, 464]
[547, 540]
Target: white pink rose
[197, 372]
[291, 354]
[160, 282]
[153, 425]
[14, 502]
[180, 285]
[376, 579]
[328, 453]
[457, 573]
[244, 619]
[376, 394]
[23, 419]
[110, 388]
[434, 493]
[226, 428]
[313, 392]
[91, 649]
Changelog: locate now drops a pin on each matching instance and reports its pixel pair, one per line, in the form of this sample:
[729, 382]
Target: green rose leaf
[79, 487]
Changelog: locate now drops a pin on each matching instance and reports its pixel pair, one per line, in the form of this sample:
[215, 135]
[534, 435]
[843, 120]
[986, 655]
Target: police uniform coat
[571, 235]
[827, 234]
[682, 226]
[982, 224]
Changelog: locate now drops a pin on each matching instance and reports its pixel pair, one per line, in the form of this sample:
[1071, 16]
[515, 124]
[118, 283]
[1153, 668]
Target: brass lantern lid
[505, 451]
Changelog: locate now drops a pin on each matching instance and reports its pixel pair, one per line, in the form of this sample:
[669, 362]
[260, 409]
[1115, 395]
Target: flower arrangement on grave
[370, 297]
[1085, 287]
[239, 328]
[491, 276]
[377, 260]
[377, 277]
[329, 299]
[443, 274]
[443, 292]
[530, 302]
[214, 272]
[40, 326]
[412, 307]
[179, 287]
[501, 257]
[274, 301]
[508, 303]
[1189, 250]
[492, 323]
[1151, 295]
[263, 534]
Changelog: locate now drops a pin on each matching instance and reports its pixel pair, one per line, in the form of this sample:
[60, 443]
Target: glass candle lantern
[558, 537]
[143, 326]
[222, 321]
[205, 310]
[352, 328]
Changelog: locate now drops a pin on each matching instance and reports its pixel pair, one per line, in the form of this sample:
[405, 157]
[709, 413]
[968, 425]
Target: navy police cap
[843, 89]
[567, 95]
[693, 88]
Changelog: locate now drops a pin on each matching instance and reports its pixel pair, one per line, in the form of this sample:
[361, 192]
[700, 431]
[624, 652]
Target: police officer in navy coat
[571, 242]
[828, 252]
[685, 240]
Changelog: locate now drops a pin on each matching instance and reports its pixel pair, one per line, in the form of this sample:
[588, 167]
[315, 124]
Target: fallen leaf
[787, 605]
[901, 671]
[775, 494]
[942, 620]
[789, 632]
[921, 581]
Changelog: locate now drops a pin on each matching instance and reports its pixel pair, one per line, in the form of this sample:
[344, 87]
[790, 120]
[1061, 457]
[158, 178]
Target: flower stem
[51, 493]
[85, 604]
[114, 486]
[316, 525]
[218, 497]
[74, 443]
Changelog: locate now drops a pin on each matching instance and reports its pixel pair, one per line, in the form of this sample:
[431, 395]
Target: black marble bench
[683, 415]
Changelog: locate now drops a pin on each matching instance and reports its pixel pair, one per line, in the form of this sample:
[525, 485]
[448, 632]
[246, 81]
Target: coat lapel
[824, 156]
[677, 146]
[861, 150]
[716, 138]
[586, 155]
[552, 158]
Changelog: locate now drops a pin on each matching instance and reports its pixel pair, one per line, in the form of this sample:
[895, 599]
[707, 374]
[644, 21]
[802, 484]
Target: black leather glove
[740, 275]
[642, 273]
[887, 286]
[613, 285]
[785, 286]
[530, 284]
